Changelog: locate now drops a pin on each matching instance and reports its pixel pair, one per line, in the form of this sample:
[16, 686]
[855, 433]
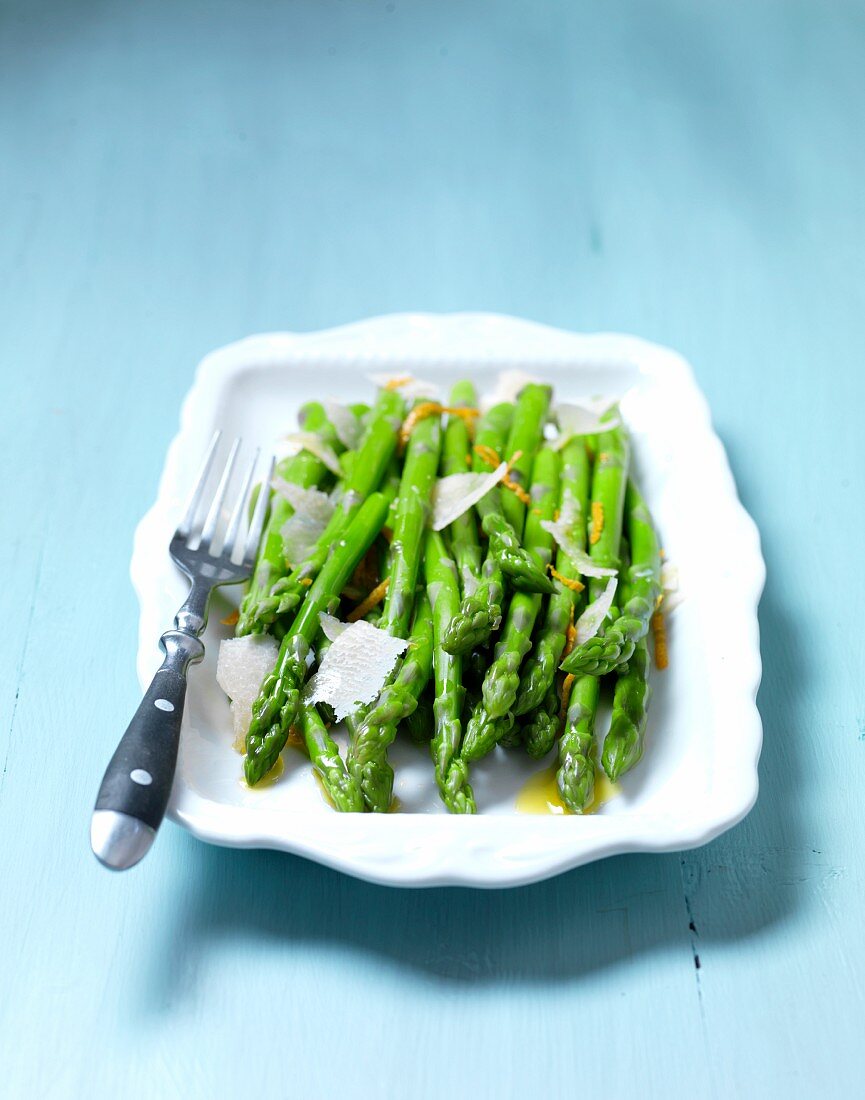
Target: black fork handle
[137, 783]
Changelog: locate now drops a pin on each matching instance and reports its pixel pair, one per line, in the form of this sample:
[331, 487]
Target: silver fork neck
[192, 616]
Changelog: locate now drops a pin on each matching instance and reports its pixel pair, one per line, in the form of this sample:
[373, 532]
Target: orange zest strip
[659, 633]
[597, 522]
[466, 413]
[488, 454]
[493, 459]
[570, 635]
[373, 600]
[514, 486]
[567, 684]
[432, 408]
[418, 413]
[568, 582]
[517, 489]
[231, 620]
[397, 383]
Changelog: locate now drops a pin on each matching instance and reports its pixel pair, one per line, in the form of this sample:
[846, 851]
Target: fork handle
[137, 782]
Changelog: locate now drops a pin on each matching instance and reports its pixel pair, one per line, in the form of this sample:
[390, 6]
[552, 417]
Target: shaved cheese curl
[453, 495]
[592, 619]
[355, 668]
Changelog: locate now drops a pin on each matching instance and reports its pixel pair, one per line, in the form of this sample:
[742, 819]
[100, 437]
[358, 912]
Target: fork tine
[257, 522]
[185, 525]
[210, 524]
[240, 508]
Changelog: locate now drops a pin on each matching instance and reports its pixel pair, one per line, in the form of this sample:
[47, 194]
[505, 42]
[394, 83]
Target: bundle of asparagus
[486, 573]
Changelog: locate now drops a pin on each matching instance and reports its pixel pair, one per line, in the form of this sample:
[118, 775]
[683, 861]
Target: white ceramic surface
[699, 773]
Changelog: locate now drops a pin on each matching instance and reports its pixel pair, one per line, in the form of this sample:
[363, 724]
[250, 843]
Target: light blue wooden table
[177, 175]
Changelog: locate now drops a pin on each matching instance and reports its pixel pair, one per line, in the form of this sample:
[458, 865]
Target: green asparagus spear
[483, 732]
[457, 459]
[542, 725]
[451, 773]
[502, 512]
[348, 457]
[523, 572]
[368, 747]
[341, 787]
[276, 707]
[526, 436]
[539, 671]
[377, 729]
[418, 478]
[615, 643]
[575, 777]
[365, 474]
[609, 484]
[304, 469]
[502, 680]
[623, 745]
[481, 611]
[503, 676]
[390, 486]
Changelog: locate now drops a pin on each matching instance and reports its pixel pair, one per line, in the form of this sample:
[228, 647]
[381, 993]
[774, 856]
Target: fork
[137, 783]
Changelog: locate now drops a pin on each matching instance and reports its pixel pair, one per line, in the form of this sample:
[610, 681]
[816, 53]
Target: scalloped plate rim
[546, 343]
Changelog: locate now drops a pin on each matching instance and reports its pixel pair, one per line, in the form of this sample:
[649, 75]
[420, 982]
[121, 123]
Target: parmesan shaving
[591, 620]
[669, 577]
[313, 501]
[507, 388]
[584, 418]
[406, 385]
[355, 668]
[312, 513]
[580, 560]
[331, 627]
[309, 441]
[571, 511]
[454, 495]
[347, 426]
[241, 666]
[672, 593]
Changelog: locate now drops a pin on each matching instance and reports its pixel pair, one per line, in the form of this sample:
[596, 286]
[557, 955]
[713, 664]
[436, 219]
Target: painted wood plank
[174, 176]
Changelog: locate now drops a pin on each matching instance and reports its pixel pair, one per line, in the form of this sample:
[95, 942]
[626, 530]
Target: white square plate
[699, 773]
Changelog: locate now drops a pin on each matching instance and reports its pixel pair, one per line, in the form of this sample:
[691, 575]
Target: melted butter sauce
[540, 794]
[273, 776]
[322, 789]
